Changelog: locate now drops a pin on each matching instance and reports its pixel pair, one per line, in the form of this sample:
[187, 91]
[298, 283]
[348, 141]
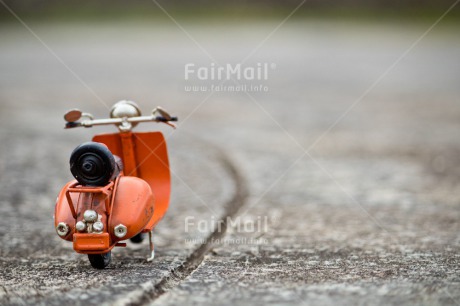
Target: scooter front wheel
[138, 238]
[100, 261]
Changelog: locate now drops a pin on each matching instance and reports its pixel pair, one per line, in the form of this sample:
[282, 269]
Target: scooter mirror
[163, 113]
[72, 115]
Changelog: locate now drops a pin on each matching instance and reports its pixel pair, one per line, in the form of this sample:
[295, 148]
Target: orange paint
[151, 158]
[88, 243]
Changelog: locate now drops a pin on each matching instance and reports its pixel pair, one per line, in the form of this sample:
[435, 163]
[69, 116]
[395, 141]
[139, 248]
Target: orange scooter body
[137, 199]
[122, 183]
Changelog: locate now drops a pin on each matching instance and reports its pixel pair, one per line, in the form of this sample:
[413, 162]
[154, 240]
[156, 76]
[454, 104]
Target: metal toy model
[122, 184]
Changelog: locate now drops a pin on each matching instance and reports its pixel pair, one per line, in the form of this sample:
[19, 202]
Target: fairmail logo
[237, 224]
[238, 72]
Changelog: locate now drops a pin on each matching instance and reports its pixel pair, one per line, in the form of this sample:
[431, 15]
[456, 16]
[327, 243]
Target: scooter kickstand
[152, 251]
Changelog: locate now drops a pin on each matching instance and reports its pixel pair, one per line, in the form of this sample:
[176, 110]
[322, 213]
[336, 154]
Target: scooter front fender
[144, 155]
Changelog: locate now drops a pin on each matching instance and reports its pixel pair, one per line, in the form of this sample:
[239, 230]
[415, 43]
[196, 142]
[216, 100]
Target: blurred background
[235, 9]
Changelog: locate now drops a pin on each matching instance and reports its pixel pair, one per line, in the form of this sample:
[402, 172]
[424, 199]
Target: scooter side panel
[151, 149]
[152, 166]
[132, 206]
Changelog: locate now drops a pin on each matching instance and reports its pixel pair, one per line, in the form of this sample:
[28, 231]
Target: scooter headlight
[80, 226]
[90, 215]
[98, 226]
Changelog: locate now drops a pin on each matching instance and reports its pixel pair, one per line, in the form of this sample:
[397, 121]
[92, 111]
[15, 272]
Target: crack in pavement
[150, 291]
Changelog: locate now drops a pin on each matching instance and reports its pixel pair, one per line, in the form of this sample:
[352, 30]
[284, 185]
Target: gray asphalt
[356, 206]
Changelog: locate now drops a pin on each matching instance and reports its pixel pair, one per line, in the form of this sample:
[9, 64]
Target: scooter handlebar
[127, 121]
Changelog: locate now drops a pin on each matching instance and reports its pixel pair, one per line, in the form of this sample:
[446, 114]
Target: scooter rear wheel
[100, 261]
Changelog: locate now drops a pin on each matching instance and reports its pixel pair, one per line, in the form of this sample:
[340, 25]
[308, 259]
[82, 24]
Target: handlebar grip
[163, 119]
[70, 125]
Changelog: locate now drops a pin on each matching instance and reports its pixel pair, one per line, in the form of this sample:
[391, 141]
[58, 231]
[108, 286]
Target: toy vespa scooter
[122, 185]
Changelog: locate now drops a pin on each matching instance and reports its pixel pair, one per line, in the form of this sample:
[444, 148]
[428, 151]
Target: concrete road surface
[333, 161]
